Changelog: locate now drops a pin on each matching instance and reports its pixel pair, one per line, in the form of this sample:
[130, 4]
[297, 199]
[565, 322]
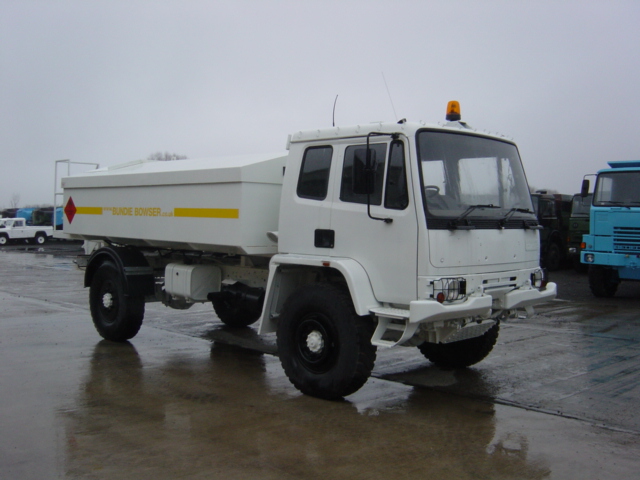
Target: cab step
[390, 322]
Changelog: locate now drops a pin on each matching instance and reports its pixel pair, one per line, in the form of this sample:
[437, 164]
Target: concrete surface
[556, 399]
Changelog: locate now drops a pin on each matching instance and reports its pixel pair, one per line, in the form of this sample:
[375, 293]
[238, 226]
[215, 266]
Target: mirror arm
[369, 171]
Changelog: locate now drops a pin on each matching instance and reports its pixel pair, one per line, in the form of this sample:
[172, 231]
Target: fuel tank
[225, 204]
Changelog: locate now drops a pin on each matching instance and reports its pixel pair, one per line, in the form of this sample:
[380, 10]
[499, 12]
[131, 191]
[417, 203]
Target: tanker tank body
[225, 205]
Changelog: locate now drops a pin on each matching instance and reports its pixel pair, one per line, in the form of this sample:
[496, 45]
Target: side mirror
[585, 188]
[364, 171]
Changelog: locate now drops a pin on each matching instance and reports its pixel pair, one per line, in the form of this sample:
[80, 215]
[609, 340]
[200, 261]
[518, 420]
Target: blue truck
[612, 248]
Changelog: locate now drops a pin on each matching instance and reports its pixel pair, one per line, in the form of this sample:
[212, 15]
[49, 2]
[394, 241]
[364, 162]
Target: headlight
[539, 278]
[589, 257]
[449, 289]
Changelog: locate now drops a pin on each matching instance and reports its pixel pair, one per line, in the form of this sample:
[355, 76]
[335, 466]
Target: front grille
[499, 284]
[626, 240]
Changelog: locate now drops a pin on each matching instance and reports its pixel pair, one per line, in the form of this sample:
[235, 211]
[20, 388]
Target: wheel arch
[286, 274]
[137, 274]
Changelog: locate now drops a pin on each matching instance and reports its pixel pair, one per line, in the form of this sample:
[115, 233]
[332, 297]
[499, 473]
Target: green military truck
[578, 226]
[553, 211]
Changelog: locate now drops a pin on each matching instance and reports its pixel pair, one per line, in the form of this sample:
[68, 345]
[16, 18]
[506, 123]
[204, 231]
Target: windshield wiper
[455, 224]
[510, 213]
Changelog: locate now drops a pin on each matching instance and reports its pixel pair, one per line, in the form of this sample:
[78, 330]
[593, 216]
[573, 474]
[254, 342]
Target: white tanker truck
[373, 235]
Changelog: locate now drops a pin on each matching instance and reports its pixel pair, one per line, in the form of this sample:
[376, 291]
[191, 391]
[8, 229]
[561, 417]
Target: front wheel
[463, 353]
[603, 281]
[116, 316]
[4, 239]
[324, 346]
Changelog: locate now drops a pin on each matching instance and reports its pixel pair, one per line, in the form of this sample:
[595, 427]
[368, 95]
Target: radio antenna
[390, 99]
[334, 110]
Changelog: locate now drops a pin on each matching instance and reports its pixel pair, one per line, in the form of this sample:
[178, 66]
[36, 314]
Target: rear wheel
[40, 239]
[324, 346]
[116, 316]
[463, 353]
[603, 281]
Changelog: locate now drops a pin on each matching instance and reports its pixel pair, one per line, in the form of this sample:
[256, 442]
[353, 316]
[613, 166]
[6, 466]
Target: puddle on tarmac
[236, 414]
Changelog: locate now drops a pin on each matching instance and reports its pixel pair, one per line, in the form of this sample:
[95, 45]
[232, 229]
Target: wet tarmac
[189, 398]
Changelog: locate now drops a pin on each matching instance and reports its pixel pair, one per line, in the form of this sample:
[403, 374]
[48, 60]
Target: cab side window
[313, 181]
[378, 154]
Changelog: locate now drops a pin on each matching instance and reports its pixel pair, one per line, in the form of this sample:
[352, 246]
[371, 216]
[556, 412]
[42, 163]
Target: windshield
[619, 188]
[580, 205]
[470, 176]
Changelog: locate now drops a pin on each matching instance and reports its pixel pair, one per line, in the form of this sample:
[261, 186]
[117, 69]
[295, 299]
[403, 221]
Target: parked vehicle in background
[26, 213]
[553, 212]
[8, 213]
[12, 229]
[578, 226]
[612, 247]
[45, 216]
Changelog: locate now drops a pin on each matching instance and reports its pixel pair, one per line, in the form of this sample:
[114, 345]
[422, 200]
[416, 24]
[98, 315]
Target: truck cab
[611, 250]
[578, 226]
[553, 211]
[441, 246]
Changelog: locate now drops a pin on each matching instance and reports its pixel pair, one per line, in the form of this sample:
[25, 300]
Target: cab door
[19, 230]
[384, 240]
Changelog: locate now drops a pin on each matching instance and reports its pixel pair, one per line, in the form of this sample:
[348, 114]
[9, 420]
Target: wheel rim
[40, 240]
[108, 302]
[316, 344]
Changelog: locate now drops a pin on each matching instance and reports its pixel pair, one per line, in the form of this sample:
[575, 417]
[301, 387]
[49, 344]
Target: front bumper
[426, 311]
[429, 311]
[523, 298]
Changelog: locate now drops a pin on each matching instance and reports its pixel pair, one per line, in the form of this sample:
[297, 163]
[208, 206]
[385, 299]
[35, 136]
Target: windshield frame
[469, 162]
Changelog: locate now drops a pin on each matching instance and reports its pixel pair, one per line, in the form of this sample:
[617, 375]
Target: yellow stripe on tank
[207, 212]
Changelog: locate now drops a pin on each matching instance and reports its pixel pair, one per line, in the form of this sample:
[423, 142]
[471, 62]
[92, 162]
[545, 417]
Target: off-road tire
[4, 239]
[603, 281]
[463, 353]
[324, 346]
[116, 316]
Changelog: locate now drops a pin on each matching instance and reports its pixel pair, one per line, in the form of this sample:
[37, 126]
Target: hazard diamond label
[70, 210]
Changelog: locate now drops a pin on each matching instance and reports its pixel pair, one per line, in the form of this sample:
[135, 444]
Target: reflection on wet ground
[173, 405]
[233, 413]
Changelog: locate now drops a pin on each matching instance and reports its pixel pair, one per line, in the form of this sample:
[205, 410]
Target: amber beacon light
[453, 111]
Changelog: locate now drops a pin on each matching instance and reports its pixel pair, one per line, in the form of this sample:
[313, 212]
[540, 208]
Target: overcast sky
[117, 80]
